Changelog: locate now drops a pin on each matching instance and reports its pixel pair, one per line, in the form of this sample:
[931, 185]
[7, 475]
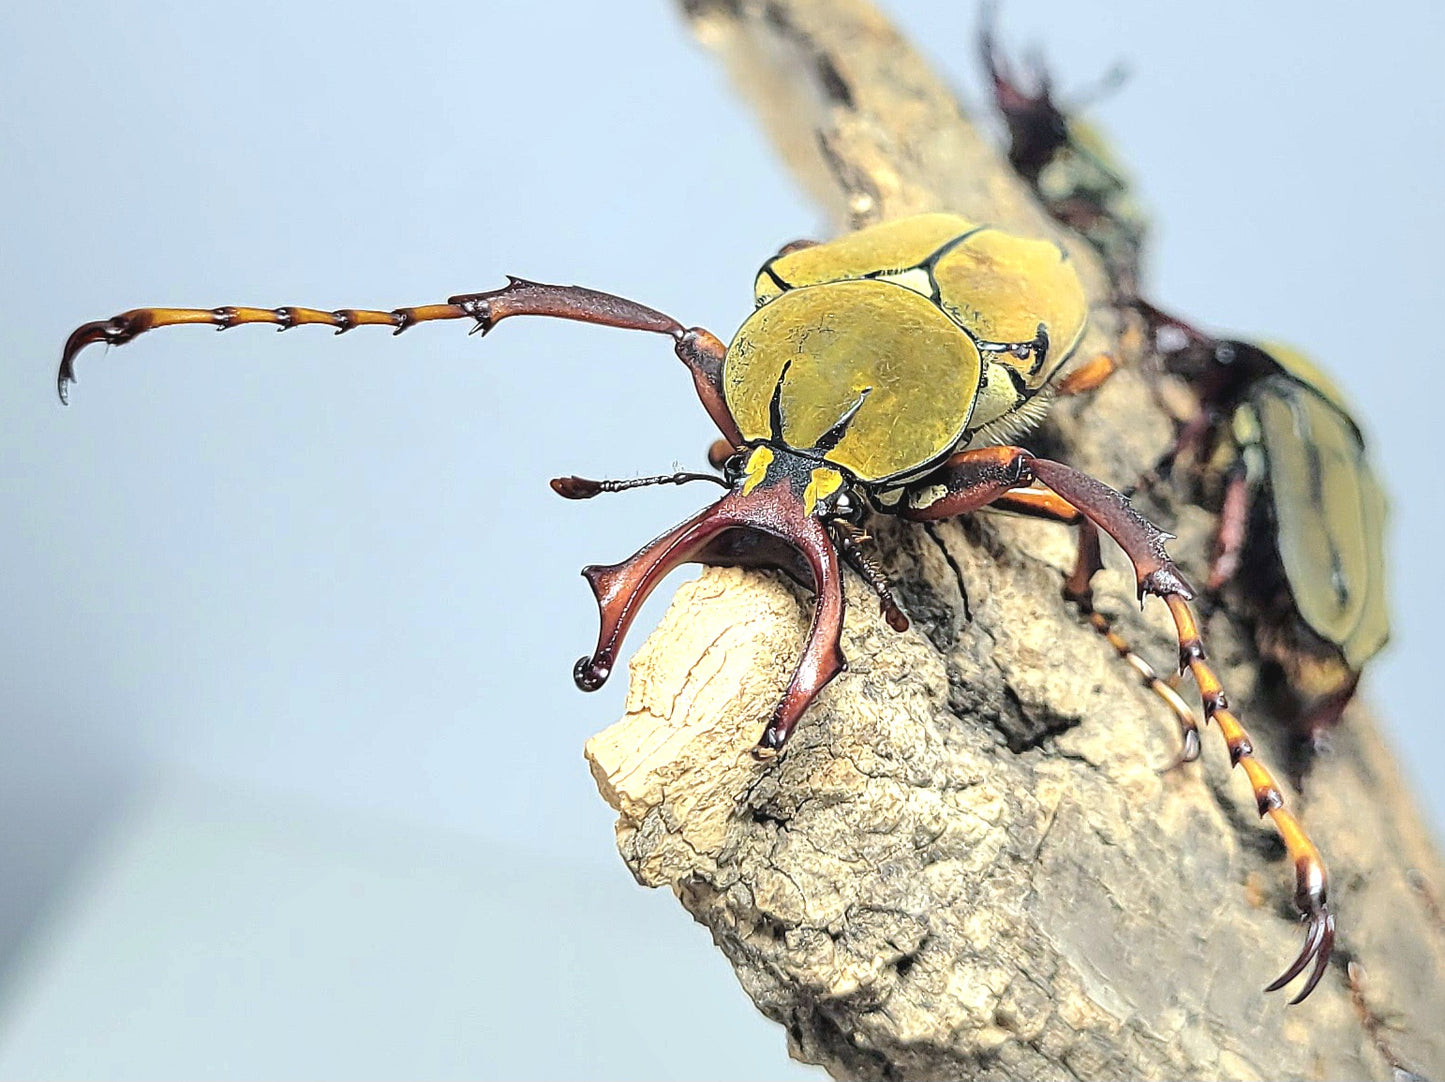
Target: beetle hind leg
[972, 480]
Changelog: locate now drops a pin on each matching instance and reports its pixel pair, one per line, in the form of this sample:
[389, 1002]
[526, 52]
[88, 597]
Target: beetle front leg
[698, 349]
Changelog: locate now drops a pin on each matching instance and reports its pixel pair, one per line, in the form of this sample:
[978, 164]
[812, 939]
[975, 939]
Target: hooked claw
[113, 332]
[1319, 944]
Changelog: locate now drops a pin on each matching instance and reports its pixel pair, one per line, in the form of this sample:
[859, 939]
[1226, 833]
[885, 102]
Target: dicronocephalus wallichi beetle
[1273, 445]
[1301, 513]
[1068, 162]
[881, 371]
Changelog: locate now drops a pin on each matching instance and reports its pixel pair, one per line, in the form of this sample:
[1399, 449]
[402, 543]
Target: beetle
[1302, 515]
[881, 370]
[1068, 162]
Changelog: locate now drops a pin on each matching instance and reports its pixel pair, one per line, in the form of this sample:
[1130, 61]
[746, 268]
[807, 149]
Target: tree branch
[968, 863]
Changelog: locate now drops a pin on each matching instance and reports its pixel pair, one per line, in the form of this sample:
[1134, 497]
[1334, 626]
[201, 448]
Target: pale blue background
[291, 779]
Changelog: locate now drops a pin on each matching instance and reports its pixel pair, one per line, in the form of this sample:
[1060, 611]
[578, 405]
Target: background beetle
[872, 373]
[1273, 445]
[1068, 162]
[1301, 514]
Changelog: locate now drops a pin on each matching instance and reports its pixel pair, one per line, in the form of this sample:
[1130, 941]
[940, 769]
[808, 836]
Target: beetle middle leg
[1042, 503]
[975, 479]
[850, 540]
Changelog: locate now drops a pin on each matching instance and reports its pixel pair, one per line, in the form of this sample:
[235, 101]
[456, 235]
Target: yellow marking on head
[757, 468]
[825, 482]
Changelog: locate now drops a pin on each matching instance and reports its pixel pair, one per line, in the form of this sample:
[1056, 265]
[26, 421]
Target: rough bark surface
[969, 863]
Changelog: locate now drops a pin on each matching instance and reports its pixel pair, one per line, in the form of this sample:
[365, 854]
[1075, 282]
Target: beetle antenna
[580, 488]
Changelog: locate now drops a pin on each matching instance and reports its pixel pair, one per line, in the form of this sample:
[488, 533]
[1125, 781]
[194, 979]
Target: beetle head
[775, 514]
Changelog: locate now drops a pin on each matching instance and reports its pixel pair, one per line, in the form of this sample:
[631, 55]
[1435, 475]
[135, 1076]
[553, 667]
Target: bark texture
[969, 862]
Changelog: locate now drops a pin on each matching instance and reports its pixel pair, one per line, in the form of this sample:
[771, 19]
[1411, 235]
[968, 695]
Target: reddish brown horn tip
[590, 674]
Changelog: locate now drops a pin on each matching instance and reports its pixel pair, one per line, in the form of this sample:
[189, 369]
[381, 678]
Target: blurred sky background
[291, 780]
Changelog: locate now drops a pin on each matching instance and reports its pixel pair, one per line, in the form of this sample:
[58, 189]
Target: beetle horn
[822, 657]
[622, 588]
[774, 510]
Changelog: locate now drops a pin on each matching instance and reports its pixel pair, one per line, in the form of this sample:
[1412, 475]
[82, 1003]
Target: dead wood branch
[968, 864]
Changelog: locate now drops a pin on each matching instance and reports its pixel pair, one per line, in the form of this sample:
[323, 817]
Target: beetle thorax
[868, 376]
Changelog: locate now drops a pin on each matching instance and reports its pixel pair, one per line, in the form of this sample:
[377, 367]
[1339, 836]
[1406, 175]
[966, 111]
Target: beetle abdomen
[1001, 289]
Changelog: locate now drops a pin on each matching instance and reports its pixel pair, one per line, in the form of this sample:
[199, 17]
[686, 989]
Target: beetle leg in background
[972, 479]
[1319, 718]
[795, 246]
[1191, 443]
[698, 349]
[1041, 503]
[850, 540]
[1089, 375]
[719, 452]
[1037, 129]
[1233, 521]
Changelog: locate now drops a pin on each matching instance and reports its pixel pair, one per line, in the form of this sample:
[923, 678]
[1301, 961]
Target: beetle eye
[845, 505]
[1224, 353]
[734, 465]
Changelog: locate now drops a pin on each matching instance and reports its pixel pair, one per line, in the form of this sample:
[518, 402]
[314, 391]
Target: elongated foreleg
[698, 349]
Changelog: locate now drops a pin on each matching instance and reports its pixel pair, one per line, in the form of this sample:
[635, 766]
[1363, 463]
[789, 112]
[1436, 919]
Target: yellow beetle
[1302, 515]
[879, 370]
[1068, 162]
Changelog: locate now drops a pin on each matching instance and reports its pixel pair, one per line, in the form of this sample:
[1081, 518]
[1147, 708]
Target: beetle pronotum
[880, 370]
